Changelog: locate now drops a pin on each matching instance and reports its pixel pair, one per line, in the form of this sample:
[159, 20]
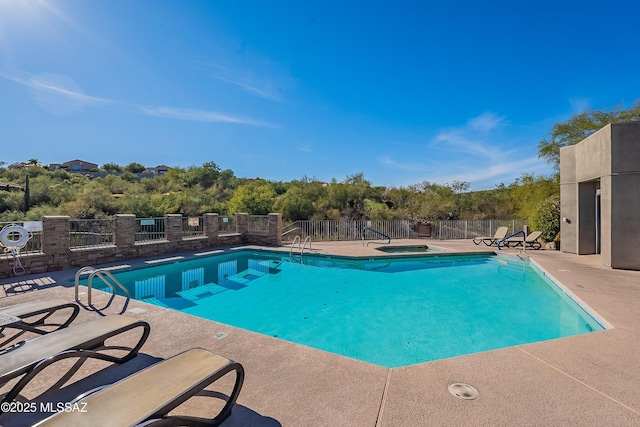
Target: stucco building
[600, 196]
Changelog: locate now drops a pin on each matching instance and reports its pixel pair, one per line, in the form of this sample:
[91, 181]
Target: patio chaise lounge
[34, 317]
[27, 358]
[531, 241]
[149, 395]
[500, 234]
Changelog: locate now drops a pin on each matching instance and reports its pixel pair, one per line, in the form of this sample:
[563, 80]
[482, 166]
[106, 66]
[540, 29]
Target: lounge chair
[149, 395]
[34, 315]
[27, 358]
[500, 234]
[531, 241]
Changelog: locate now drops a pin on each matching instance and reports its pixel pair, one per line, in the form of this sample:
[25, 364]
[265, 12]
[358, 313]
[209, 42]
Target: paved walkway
[586, 380]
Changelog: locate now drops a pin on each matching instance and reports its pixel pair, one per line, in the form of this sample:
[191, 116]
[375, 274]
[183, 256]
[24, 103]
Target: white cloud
[59, 94]
[253, 73]
[458, 154]
[51, 84]
[201, 116]
[507, 168]
[305, 147]
[485, 122]
[578, 105]
[470, 147]
[266, 92]
[409, 167]
[56, 84]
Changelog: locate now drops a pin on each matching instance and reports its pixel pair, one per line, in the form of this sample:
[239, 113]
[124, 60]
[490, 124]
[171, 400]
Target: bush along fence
[66, 243]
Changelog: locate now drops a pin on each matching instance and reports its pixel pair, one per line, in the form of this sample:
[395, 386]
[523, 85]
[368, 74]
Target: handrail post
[112, 282]
[295, 239]
[306, 239]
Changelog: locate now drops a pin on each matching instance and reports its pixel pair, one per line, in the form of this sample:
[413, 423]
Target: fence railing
[34, 244]
[468, 229]
[150, 229]
[192, 227]
[258, 224]
[335, 230]
[226, 224]
[90, 232]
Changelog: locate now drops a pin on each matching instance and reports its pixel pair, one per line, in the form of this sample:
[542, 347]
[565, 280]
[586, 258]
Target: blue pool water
[391, 312]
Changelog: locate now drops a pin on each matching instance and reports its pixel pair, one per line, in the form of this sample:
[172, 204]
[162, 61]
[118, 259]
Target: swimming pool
[384, 310]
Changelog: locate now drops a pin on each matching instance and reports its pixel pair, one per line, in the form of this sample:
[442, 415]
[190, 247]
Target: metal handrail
[307, 239]
[375, 231]
[103, 274]
[524, 238]
[289, 231]
[295, 239]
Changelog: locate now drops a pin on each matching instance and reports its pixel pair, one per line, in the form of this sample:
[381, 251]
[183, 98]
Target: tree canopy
[199, 189]
[580, 126]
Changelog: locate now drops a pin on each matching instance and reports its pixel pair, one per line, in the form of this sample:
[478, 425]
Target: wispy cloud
[53, 90]
[485, 121]
[305, 147]
[459, 154]
[251, 72]
[469, 146]
[578, 105]
[266, 92]
[201, 116]
[58, 85]
[506, 168]
[407, 167]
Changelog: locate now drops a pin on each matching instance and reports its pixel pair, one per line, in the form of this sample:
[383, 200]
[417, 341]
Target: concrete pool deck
[586, 380]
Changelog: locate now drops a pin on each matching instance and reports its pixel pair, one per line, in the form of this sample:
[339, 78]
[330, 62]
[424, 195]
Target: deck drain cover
[463, 391]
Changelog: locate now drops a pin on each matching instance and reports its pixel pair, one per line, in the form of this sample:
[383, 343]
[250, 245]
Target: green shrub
[547, 218]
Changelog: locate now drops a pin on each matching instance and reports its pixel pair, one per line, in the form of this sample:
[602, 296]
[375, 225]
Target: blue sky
[402, 91]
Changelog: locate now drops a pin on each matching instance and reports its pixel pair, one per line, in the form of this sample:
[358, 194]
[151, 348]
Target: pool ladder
[107, 278]
[304, 245]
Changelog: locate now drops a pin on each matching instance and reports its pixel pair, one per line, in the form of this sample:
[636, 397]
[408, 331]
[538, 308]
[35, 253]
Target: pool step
[242, 278]
[154, 301]
[206, 290]
[271, 264]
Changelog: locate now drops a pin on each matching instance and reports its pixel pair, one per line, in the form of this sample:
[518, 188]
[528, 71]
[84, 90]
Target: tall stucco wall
[625, 196]
[625, 216]
[568, 200]
[625, 155]
[606, 221]
[607, 161]
[587, 217]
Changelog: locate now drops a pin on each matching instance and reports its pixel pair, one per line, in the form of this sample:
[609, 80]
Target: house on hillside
[74, 166]
[5, 186]
[158, 170]
[20, 165]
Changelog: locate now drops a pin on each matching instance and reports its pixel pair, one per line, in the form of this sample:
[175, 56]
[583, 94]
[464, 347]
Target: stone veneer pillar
[242, 223]
[275, 229]
[211, 227]
[173, 227]
[124, 230]
[56, 241]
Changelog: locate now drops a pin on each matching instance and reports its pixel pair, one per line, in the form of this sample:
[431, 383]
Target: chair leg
[79, 353]
[172, 421]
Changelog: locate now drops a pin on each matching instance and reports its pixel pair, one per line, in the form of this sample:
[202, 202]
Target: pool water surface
[387, 311]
